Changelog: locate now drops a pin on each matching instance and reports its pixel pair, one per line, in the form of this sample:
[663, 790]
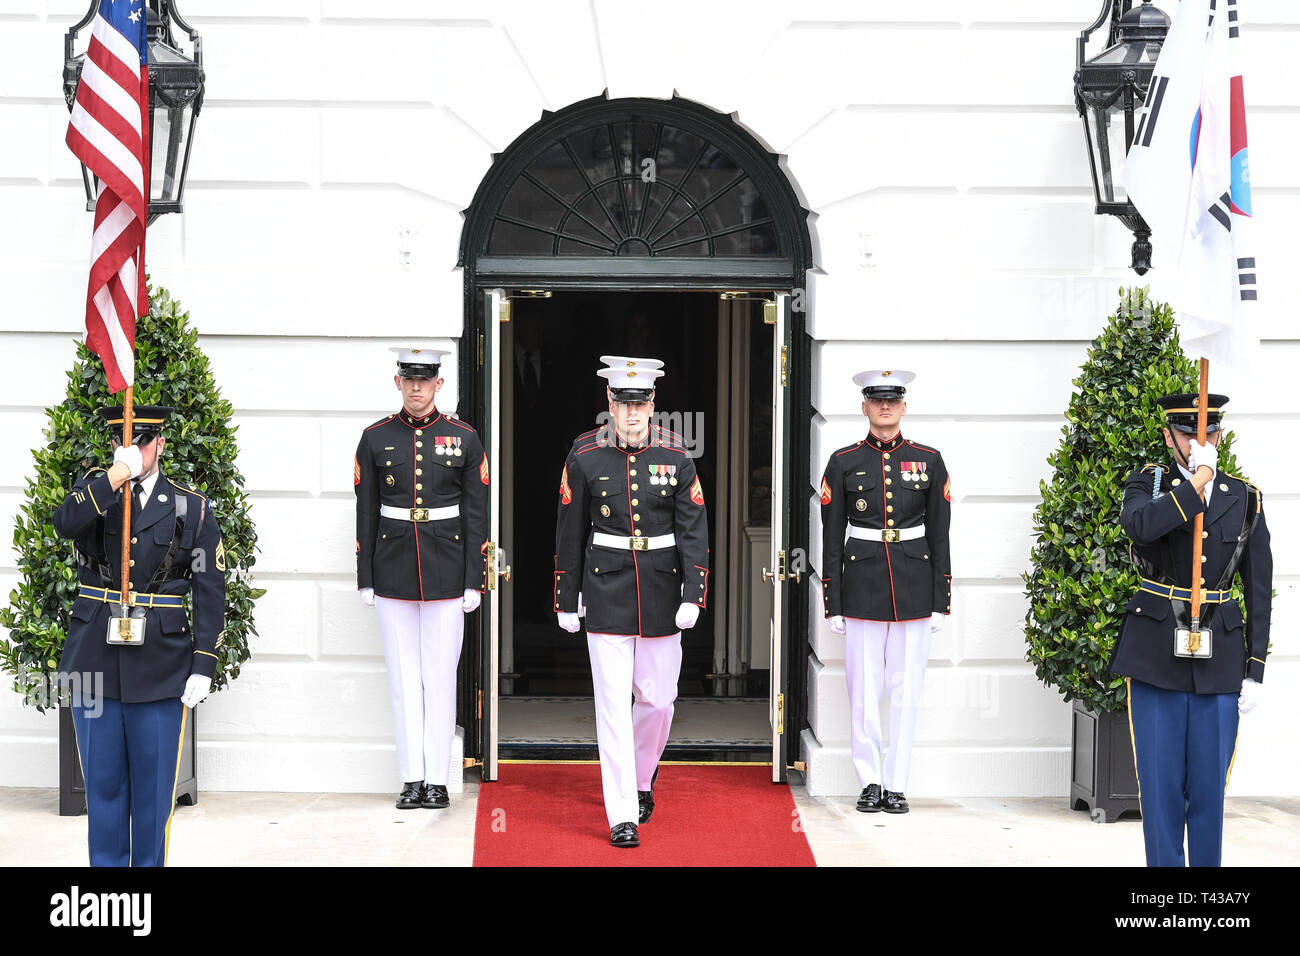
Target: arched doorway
[641, 227]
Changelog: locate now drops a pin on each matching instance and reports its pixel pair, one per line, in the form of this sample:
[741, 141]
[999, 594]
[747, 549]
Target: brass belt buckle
[639, 543]
[419, 514]
[890, 535]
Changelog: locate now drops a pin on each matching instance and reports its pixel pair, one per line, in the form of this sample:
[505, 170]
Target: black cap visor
[632, 394]
[1187, 423]
[884, 391]
[139, 436]
[414, 370]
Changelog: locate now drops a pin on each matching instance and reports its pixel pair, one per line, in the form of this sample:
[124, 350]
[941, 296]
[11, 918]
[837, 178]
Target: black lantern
[175, 98]
[1109, 90]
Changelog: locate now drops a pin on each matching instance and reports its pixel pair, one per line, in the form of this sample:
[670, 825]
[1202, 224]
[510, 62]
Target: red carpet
[712, 815]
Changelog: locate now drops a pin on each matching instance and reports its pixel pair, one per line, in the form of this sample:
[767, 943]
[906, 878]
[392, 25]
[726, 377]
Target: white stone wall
[935, 143]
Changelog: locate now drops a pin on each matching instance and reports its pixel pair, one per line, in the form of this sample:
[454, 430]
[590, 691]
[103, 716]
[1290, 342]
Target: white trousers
[632, 739]
[422, 642]
[882, 658]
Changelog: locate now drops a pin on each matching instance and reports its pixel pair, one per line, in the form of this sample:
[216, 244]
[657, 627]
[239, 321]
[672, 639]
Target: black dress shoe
[435, 797]
[869, 801]
[411, 796]
[646, 801]
[624, 835]
[894, 802]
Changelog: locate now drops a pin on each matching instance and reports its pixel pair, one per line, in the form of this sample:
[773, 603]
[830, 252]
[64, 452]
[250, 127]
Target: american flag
[109, 133]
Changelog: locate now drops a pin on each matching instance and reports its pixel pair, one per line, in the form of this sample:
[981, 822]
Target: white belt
[633, 543]
[887, 534]
[420, 514]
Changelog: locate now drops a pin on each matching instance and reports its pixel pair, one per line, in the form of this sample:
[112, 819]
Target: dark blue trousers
[1184, 744]
[130, 754]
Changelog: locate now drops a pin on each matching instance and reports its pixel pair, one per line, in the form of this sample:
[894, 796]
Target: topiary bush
[200, 453]
[1081, 576]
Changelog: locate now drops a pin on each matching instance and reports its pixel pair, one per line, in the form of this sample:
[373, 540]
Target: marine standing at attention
[421, 480]
[890, 584]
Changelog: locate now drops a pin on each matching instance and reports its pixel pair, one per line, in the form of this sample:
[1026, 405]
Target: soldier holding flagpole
[1192, 663]
[154, 660]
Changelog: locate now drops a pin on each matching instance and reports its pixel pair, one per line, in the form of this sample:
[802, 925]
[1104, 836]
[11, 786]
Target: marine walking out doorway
[660, 229]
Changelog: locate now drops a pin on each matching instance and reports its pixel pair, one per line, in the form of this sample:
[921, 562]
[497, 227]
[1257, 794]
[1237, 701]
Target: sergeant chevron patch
[566, 495]
[356, 472]
[826, 492]
[947, 489]
[483, 469]
[697, 493]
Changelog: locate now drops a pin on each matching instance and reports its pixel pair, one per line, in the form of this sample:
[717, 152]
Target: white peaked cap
[623, 371]
[419, 355]
[883, 378]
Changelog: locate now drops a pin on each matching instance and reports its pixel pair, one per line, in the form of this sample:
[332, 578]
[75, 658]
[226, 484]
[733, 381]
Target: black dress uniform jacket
[431, 462]
[91, 516]
[1161, 530]
[646, 491]
[882, 485]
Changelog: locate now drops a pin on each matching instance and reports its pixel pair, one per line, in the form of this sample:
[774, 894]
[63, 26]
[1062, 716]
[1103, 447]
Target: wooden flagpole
[128, 420]
[1199, 525]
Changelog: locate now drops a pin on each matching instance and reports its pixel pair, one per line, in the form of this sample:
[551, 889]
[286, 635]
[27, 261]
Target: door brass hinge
[490, 556]
[480, 350]
[480, 705]
[769, 313]
[785, 365]
[780, 714]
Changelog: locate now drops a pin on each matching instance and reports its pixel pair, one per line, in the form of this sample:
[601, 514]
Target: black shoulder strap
[98, 561]
[164, 572]
[1247, 529]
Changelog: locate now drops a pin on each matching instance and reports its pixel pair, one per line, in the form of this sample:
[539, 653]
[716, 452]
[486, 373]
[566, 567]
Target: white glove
[936, 622]
[196, 688]
[368, 597]
[582, 608]
[1251, 693]
[687, 615]
[569, 621]
[131, 457]
[1206, 456]
[471, 600]
[837, 625]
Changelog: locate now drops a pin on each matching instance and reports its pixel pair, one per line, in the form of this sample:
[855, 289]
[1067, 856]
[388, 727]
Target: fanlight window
[633, 189]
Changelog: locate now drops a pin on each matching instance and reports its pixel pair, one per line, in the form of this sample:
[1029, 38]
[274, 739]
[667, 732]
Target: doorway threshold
[708, 729]
[564, 753]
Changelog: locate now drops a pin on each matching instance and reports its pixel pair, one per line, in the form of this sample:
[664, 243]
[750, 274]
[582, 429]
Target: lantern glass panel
[169, 134]
[1109, 145]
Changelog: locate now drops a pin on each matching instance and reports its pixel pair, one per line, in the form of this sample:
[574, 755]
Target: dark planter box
[72, 785]
[1103, 779]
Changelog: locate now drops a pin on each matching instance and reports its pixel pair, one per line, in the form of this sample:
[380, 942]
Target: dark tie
[137, 499]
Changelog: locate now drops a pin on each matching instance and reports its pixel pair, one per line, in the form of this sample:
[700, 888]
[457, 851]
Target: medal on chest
[914, 471]
[447, 445]
[663, 474]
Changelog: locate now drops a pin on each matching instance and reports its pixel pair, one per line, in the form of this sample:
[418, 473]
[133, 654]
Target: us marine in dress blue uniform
[886, 579]
[1184, 710]
[129, 735]
[632, 538]
[421, 481]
